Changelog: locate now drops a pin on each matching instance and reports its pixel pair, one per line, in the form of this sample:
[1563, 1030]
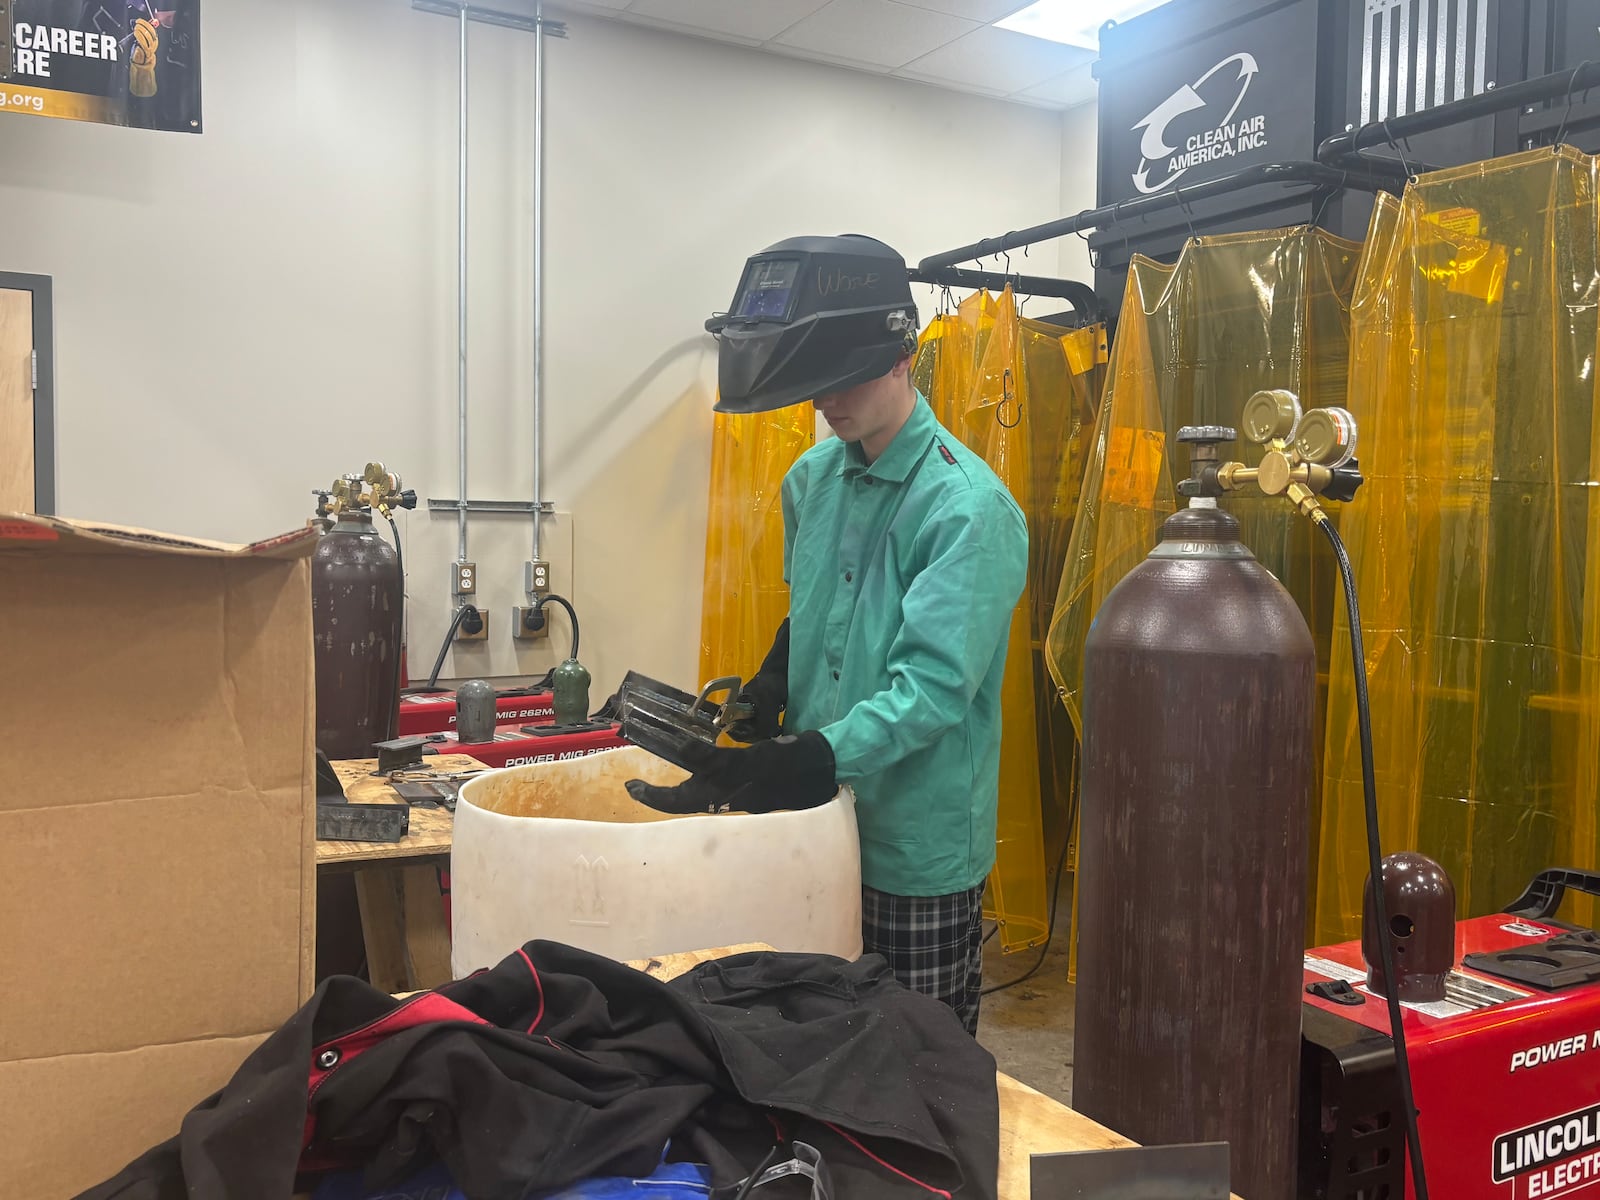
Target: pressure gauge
[1271, 416]
[1327, 437]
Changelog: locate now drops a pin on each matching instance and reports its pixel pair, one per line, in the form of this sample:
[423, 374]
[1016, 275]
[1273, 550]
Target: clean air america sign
[1206, 120]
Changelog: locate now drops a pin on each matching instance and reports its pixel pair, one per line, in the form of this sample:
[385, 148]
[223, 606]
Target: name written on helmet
[829, 282]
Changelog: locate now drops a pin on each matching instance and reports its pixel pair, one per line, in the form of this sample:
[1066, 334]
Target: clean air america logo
[1167, 151]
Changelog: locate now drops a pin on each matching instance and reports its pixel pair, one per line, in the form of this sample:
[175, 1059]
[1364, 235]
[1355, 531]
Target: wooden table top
[431, 828]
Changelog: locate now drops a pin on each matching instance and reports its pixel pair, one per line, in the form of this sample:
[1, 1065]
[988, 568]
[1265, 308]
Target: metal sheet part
[1197, 1172]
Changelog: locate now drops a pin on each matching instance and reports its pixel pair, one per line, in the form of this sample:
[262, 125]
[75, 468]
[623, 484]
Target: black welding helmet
[813, 315]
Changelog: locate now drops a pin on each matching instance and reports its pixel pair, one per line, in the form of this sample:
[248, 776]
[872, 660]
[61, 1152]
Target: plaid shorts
[934, 944]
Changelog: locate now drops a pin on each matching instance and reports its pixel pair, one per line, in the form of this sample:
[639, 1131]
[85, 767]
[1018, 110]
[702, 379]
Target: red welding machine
[514, 747]
[435, 712]
[1505, 1066]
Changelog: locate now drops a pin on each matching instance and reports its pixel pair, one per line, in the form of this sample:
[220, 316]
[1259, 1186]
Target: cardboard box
[157, 888]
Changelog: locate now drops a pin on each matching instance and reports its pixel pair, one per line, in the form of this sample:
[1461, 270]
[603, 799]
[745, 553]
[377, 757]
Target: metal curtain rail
[1558, 85]
[1080, 295]
[1315, 176]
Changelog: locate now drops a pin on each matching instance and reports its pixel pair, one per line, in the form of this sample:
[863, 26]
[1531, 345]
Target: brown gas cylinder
[1198, 693]
[356, 593]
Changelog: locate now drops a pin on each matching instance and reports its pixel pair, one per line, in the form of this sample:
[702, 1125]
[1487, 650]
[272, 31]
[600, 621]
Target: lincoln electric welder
[1502, 1025]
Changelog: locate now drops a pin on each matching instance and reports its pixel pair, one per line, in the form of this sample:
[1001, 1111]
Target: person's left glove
[767, 694]
[783, 773]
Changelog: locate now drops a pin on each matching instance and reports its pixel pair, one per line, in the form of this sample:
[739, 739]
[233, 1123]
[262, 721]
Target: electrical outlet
[521, 632]
[465, 578]
[482, 634]
[536, 577]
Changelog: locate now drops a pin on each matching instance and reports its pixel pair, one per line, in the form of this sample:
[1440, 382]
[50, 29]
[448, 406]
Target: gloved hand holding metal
[783, 773]
[766, 694]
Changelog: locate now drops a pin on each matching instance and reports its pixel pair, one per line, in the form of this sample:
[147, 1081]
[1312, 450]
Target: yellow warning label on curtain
[1463, 222]
[1458, 260]
[1133, 466]
[1086, 348]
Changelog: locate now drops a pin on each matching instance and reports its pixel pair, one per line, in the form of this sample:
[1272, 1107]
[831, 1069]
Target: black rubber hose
[572, 616]
[1050, 927]
[1380, 914]
[449, 636]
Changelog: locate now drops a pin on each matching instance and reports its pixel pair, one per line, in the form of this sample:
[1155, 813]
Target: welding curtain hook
[1008, 395]
[1094, 255]
[1188, 213]
[1327, 197]
[1572, 83]
[1395, 146]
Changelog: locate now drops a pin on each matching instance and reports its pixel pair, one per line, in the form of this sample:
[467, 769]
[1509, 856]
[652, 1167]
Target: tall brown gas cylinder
[1198, 693]
[356, 596]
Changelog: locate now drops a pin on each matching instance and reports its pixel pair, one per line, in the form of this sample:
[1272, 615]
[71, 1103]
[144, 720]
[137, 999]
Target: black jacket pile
[558, 1065]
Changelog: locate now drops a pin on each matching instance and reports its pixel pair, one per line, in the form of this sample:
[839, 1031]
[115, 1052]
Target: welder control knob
[1207, 435]
[1271, 415]
[1327, 437]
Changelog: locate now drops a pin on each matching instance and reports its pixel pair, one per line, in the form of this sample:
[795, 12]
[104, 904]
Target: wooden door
[16, 401]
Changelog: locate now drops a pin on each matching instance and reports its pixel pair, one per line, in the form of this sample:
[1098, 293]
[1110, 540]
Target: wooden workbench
[397, 883]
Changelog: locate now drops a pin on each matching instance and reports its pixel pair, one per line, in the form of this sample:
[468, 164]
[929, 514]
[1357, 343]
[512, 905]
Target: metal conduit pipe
[537, 282]
[461, 310]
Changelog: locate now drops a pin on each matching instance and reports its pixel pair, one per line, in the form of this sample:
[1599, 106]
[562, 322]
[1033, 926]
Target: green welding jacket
[903, 575]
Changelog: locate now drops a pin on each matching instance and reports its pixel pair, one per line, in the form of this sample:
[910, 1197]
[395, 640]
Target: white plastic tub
[561, 851]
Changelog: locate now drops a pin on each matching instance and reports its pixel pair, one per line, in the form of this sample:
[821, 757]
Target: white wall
[242, 315]
[1079, 139]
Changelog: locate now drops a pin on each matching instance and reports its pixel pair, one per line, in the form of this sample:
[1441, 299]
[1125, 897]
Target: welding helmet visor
[812, 316]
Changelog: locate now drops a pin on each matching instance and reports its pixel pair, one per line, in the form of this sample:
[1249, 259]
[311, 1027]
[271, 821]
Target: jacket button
[836, 674]
[328, 1059]
[848, 576]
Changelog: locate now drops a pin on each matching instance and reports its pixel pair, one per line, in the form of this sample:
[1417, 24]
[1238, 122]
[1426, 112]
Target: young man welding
[905, 556]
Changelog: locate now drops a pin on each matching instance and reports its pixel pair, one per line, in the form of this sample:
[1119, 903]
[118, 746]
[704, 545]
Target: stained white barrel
[561, 851]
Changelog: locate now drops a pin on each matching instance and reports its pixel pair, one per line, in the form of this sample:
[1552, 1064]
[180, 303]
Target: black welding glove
[766, 694]
[782, 773]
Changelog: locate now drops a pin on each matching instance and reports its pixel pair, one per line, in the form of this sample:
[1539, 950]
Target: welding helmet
[813, 315]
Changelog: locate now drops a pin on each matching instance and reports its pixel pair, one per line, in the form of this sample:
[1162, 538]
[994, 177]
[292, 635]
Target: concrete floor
[1028, 1028]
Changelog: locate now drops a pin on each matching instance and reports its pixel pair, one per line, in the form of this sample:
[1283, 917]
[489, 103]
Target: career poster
[119, 62]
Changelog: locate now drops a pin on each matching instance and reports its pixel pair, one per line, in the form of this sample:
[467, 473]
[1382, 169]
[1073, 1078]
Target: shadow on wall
[640, 489]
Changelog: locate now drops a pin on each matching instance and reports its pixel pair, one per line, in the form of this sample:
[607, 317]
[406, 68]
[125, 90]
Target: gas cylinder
[356, 597]
[1198, 694]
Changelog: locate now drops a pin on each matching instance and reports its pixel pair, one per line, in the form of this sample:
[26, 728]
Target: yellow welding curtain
[744, 598]
[1019, 393]
[1236, 313]
[1476, 540]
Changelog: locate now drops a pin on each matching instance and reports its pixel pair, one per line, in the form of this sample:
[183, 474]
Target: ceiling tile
[998, 58]
[977, 10]
[605, 6]
[1076, 86]
[726, 18]
[882, 33]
